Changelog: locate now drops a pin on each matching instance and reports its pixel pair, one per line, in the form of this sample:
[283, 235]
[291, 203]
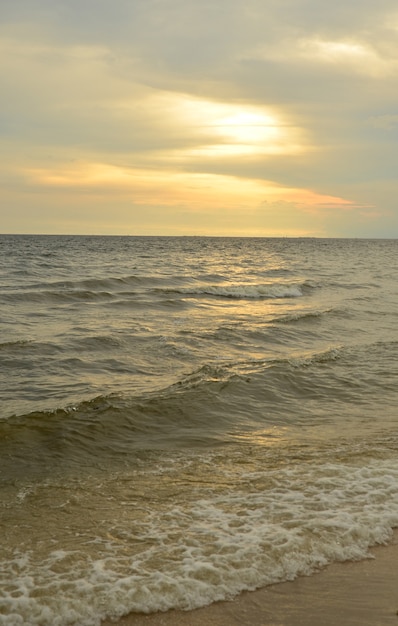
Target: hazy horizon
[171, 236]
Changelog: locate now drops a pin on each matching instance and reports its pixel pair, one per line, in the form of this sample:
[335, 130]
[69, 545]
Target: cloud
[140, 100]
[385, 122]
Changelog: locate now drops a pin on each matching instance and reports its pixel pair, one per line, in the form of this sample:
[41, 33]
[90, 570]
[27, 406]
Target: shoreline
[352, 593]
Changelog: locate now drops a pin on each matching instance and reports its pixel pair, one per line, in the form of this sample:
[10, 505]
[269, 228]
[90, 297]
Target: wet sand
[363, 593]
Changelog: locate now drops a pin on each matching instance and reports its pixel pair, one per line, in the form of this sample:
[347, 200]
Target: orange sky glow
[253, 125]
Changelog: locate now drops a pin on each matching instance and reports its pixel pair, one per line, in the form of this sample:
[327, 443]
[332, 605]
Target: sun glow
[219, 129]
[230, 129]
[248, 127]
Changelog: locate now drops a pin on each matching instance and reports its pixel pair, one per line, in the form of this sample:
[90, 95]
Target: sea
[186, 418]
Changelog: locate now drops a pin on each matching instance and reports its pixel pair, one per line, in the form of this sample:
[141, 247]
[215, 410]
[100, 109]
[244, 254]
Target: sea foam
[273, 525]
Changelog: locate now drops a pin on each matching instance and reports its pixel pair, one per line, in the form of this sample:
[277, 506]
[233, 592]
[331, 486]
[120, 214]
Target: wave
[82, 290]
[103, 283]
[243, 291]
[57, 297]
[71, 292]
[309, 315]
[216, 404]
[14, 345]
[184, 531]
[30, 346]
[112, 288]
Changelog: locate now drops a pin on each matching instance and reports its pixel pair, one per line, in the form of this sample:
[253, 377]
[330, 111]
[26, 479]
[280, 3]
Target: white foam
[263, 526]
[251, 291]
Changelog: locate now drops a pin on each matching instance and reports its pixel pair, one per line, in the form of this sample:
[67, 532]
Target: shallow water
[185, 418]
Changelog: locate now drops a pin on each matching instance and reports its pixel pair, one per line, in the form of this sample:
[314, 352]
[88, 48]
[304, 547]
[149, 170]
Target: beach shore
[363, 593]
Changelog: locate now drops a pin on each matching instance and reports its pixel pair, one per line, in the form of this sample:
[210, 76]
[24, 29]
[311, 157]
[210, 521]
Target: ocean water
[185, 418]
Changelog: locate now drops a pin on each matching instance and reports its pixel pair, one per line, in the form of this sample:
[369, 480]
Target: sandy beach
[363, 593]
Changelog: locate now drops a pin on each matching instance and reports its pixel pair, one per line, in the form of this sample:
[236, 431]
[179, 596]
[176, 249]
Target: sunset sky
[199, 117]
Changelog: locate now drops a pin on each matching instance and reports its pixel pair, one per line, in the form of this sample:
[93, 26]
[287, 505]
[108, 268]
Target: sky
[199, 117]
